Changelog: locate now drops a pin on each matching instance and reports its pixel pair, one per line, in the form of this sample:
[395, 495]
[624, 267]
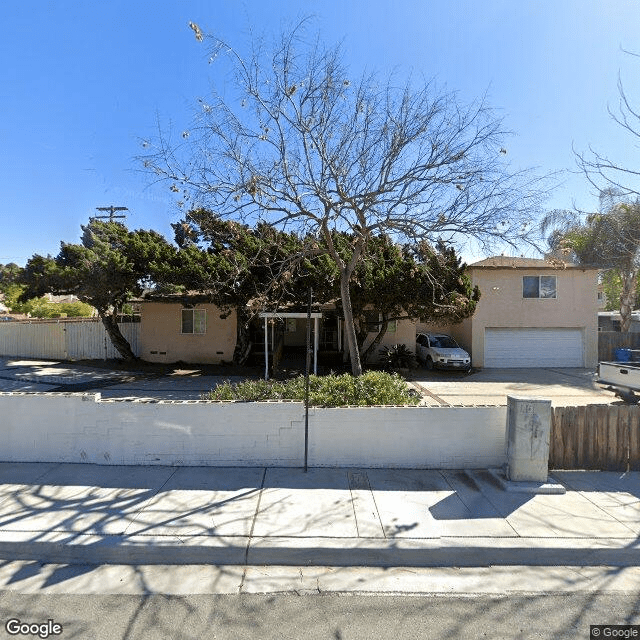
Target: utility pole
[111, 211]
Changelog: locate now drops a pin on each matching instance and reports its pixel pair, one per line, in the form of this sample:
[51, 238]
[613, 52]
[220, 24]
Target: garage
[527, 347]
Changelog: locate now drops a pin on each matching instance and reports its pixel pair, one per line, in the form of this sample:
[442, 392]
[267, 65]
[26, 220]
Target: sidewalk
[74, 513]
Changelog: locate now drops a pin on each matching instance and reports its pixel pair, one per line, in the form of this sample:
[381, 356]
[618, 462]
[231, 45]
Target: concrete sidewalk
[89, 514]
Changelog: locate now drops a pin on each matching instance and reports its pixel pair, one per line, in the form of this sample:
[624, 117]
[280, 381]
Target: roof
[186, 297]
[512, 262]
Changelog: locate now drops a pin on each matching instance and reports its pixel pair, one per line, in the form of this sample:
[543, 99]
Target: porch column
[315, 345]
[266, 349]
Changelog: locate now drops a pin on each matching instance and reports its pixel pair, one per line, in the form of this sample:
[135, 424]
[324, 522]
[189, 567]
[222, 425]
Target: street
[333, 617]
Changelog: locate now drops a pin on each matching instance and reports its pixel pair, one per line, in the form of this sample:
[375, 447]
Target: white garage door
[533, 348]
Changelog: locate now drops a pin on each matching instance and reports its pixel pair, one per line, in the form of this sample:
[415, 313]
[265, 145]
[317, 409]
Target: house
[66, 298]
[602, 296]
[532, 313]
[188, 328]
[610, 321]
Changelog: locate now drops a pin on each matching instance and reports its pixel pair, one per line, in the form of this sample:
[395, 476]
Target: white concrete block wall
[82, 428]
[409, 437]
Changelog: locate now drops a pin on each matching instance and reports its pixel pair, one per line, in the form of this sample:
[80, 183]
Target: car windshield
[444, 342]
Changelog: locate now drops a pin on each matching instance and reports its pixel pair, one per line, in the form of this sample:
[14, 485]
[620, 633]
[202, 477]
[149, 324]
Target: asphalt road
[331, 617]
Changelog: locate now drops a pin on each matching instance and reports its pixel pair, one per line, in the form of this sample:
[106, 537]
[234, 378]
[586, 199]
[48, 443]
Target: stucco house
[190, 329]
[185, 331]
[532, 313]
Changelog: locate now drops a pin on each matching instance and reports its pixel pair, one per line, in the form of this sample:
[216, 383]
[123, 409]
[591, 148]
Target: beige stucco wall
[405, 334]
[502, 305]
[161, 339]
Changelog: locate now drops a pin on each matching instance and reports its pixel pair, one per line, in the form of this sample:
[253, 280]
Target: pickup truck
[623, 378]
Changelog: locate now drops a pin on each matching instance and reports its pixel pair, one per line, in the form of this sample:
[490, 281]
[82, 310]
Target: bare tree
[608, 175]
[297, 140]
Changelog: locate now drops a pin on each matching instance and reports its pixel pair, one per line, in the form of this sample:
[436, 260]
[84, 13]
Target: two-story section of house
[532, 313]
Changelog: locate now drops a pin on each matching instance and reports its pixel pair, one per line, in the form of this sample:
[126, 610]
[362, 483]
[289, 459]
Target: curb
[55, 547]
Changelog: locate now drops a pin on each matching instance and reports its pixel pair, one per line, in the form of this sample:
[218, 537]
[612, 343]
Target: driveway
[564, 387]
[29, 375]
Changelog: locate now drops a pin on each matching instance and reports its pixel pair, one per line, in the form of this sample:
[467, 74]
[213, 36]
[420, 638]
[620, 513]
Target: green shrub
[371, 388]
[398, 357]
[42, 308]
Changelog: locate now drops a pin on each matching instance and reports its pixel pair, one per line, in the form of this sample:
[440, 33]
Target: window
[373, 320]
[194, 321]
[538, 286]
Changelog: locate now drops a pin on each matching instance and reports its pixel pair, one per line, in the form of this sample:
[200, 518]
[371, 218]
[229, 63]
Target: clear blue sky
[81, 83]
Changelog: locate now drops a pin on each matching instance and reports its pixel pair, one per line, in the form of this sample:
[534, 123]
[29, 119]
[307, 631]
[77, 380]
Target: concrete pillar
[528, 433]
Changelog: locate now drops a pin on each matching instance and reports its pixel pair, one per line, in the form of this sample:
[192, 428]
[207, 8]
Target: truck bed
[621, 377]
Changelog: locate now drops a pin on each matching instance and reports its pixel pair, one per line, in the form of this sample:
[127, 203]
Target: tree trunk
[349, 326]
[243, 342]
[384, 325]
[627, 298]
[117, 339]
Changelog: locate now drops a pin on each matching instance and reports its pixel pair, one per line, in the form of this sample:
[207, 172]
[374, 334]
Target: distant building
[60, 299]
[610, 321]
[602, 297]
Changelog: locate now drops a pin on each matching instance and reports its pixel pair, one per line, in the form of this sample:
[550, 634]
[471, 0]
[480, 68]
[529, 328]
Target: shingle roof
[512, 262]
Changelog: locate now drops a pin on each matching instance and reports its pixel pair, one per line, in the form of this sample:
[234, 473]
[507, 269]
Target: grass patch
[369, 389]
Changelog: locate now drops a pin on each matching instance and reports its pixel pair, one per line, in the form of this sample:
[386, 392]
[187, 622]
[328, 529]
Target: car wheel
[428, 363]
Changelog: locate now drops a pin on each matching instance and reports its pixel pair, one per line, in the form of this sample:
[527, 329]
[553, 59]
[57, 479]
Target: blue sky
[82, 83]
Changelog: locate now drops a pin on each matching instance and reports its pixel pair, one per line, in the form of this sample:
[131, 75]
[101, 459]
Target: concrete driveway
[31, 375]
[564, 387]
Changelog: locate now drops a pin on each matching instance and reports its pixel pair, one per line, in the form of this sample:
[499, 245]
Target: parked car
[442, 352]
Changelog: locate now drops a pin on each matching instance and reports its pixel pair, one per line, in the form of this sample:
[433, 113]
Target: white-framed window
[193, 321]
[539, 287]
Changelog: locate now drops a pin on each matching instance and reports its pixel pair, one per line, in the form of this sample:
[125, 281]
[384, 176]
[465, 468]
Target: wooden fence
[609, 341]
[604, 437]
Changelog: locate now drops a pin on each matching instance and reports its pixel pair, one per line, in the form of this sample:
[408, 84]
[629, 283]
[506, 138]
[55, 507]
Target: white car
[438, 350]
